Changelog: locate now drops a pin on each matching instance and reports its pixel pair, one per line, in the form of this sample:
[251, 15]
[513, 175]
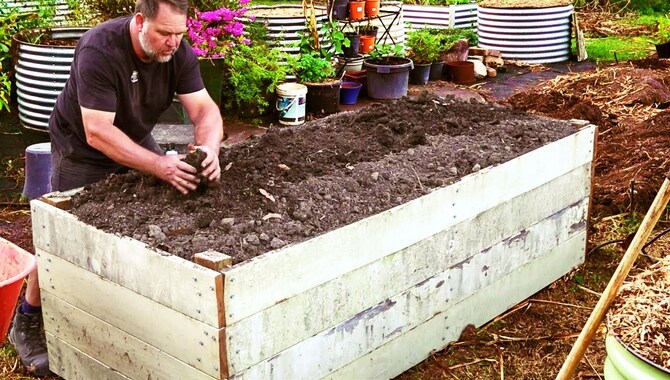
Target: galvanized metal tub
[41, 73]
[436, 16]
[286, 23]
[531, 35]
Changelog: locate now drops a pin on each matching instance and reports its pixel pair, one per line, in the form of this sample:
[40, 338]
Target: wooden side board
[103, 348]
[170, 280]
[129, 314]
[248, 289]
[446, 326]
[375, 326]
[538, 219]
[72, 364]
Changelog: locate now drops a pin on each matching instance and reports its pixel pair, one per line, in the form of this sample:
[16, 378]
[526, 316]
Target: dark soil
[294, 183]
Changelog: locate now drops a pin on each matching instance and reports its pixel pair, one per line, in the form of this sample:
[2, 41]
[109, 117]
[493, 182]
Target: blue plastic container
[37, 170]
[349, 92]
[388, 81]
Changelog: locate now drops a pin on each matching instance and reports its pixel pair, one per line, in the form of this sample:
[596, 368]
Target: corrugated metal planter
[285, 23]
[62, 9]
[531, 35]
[433, 16]
[41, 73]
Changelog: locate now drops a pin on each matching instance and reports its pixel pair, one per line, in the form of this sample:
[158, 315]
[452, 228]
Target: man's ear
[139, 21]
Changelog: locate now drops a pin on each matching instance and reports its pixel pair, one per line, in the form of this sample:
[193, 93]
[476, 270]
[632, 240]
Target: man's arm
[102, 135]
[206, 117]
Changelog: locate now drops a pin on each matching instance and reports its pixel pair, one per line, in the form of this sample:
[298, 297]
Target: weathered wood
[404, 311]
[172, 281]
[248, 289]
[60, 199]
[72, 364]
[112, 347]
[293, 320]
[173, 332]
[447, 326]
[213, 260]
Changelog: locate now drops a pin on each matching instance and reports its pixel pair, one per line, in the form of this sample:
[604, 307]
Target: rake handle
[606, 299]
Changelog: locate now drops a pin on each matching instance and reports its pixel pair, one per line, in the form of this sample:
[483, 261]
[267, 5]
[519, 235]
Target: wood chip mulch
[640, 316]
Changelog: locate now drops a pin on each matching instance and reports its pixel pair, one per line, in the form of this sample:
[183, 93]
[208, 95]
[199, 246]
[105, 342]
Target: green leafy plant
[386, 53]
[425, 46]
[664, 29]
[313, 68]
[253, 73]
[12, 21]
[5, 91]
[315, 62]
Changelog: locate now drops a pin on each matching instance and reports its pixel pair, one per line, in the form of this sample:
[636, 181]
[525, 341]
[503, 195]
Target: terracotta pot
[372, 8]
[461, 72]
[367, 44]
[356, 10]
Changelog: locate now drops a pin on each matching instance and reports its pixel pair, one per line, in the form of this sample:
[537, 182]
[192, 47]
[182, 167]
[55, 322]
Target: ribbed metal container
[531, 35]
[61, 8]
[285, 23]
[41, 73]
[433, 16]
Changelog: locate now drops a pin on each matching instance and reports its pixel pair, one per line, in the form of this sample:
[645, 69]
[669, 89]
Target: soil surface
[295, 183]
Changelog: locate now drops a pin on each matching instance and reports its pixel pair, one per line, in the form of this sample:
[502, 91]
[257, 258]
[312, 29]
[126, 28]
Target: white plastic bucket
[291, 100]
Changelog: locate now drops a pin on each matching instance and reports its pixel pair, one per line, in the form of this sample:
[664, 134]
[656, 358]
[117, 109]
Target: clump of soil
[640, 315]
[195, 158]
[294, 183]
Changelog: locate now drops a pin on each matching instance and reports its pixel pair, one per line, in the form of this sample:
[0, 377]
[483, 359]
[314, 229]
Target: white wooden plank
[170, 280]
[72, 364]
[316, 309]
[176, 334]
[400, 314]
[247, 288]
[111, 347]
[417, 344]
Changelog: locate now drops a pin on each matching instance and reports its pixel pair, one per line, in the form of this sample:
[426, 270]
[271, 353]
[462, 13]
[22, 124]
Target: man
[124, 76]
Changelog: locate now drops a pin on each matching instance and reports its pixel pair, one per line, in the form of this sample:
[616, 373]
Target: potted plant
[425, 48]
[387, 72]
[214, 34]
[251, 77]
[315, 68]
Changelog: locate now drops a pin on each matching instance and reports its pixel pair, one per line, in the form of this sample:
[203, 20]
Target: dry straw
[640, 316]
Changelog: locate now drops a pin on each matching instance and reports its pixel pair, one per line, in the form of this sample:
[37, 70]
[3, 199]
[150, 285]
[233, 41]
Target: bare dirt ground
[531, 340]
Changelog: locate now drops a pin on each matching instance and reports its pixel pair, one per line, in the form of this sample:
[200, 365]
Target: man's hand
[177, 173]
[211, 169]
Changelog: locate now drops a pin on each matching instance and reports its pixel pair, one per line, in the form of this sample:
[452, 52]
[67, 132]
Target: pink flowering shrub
[213, 34]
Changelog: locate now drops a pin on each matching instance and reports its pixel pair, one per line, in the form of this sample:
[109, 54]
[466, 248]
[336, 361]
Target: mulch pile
[627, 102]
[640, 316]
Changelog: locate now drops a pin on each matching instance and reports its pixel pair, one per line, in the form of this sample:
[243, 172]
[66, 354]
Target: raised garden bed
[398, 225]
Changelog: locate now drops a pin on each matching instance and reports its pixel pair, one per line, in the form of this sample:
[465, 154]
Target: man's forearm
[209, 130]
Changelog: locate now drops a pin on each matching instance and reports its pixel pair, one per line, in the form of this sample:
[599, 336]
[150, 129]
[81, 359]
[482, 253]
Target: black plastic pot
[436, 70]
[354, 45]
[323, 98]
[663, 50]
[420, 74]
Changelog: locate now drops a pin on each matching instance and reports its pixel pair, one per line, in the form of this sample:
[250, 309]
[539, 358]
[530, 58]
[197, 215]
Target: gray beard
[151, 53]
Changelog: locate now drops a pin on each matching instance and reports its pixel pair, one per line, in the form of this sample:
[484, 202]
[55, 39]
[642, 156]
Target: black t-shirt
[106, 75]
